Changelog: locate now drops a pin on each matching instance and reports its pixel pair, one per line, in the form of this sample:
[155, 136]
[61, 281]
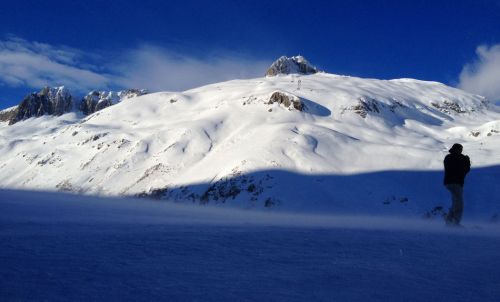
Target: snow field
[60, 247]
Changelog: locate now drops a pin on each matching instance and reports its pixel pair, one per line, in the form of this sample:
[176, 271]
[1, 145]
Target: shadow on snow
[384, 192]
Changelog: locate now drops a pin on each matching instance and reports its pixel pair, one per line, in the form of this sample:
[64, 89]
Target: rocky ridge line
[58, 100]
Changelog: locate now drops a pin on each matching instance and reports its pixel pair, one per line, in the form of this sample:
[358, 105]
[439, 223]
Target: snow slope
[62, 247]
[357, 146]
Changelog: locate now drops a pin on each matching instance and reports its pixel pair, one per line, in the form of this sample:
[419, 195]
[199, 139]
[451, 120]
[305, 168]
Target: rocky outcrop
[49, 101]
[289, 101]
[448, 107]
[131, 93]
[58, 100]
[364, 106]
[7, 114]
[227, 189]
[98, 100]
[291, 65]
[452, 107]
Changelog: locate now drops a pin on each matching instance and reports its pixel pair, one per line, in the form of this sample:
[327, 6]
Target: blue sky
[175, 45]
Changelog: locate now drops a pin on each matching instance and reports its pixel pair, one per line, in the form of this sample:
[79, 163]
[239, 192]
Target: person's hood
[456, 149]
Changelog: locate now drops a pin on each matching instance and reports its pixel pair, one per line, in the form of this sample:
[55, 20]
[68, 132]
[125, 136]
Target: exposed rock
[452, 107]
[438, 211]
[7, 114]
[131, 93]
[448, 107]
[224, 190]
[58, 100]
[492, 131]
[290, 65]
[94, 137]
[364, 106]
[98, 100]
[65, 186]
[290, 101]
[50, 101]
[271, 202]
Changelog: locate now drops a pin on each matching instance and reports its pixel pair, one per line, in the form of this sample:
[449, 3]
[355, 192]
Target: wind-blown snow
[60, 247]
[358, 146]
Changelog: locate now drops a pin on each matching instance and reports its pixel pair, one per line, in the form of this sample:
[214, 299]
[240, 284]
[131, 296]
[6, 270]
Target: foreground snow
[59, 247]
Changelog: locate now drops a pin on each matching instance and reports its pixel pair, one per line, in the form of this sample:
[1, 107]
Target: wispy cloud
[483, 75]
[34, 64]
[157, 69]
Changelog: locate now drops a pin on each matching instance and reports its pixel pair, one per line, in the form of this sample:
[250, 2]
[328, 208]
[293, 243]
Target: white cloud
[159, 69]
[483, 75]
[34, 65]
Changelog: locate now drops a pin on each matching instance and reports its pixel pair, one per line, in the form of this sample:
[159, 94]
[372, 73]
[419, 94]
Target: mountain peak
[59, 100]
[291, 65]
[49, 100]
[53, 91]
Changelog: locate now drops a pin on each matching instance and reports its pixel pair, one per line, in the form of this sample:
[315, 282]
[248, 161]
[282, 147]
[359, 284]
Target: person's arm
[467, 164]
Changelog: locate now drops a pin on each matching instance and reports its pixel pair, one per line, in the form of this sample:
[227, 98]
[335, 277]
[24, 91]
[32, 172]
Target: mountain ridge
[56, 101]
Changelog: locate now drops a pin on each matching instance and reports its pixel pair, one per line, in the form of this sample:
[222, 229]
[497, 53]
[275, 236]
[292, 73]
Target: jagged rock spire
[52, 101]
[290, 65]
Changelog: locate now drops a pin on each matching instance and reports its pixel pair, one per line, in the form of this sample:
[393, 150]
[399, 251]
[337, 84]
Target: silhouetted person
[456, 166]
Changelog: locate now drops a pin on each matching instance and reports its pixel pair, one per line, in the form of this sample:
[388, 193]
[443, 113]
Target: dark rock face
[57, 101]
[50, 101]
[8, 114]
[98, 100]
[290, 65]
[287, 100]
[88, 104]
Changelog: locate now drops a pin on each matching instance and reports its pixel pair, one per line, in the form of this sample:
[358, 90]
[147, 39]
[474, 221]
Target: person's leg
[449, 217]
[457, 204]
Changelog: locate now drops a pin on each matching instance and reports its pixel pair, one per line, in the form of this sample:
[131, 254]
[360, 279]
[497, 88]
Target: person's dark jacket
[456, 166]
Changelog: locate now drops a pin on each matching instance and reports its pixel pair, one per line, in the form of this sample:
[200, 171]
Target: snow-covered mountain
[309, 142]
